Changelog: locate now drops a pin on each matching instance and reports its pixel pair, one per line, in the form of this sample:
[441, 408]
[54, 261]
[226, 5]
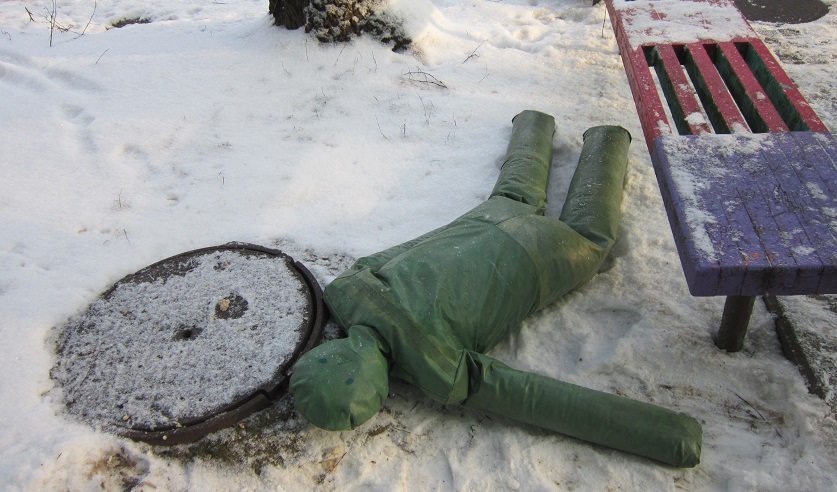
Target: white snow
[208, 124]
[696, 119]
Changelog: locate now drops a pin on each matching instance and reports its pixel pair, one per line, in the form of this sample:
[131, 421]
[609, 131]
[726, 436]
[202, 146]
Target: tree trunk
[289, 13]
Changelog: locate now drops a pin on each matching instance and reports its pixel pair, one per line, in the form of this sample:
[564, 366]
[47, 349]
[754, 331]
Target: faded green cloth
[427, 310]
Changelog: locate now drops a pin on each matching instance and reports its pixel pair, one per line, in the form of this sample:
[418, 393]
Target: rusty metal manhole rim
[258, 398]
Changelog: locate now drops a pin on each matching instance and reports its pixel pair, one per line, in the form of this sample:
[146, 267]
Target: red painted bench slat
[753, 99]
[683, 101]
[787, 93]
[650, 109]
[723, 112]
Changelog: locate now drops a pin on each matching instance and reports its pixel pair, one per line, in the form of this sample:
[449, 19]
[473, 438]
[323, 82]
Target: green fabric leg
[569, 251]
[525, 171]
[594, 200]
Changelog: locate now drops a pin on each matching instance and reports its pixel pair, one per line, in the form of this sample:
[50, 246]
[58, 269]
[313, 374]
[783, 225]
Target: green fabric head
[342, 383]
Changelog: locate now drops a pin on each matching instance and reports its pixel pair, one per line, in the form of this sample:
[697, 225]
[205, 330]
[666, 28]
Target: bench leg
[734, 322]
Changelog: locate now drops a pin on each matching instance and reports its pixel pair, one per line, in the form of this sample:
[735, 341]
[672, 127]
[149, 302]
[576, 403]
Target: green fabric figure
[427, 310]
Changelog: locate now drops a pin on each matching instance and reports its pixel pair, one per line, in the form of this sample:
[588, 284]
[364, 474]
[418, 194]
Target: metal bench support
[734, 323]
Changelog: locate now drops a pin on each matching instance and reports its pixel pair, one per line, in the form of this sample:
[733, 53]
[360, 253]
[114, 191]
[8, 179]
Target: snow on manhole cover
[190, 344]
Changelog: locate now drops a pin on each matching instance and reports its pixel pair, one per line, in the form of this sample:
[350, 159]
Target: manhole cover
[784, 11]
[189, 345]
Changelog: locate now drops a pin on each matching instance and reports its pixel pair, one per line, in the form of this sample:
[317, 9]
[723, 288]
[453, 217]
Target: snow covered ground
[207, 124]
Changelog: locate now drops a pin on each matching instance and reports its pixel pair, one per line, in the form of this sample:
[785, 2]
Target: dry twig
[474, 53]
[759, 414]
[425, 78]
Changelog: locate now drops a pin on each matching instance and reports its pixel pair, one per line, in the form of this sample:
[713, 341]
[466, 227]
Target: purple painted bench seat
[752, 213]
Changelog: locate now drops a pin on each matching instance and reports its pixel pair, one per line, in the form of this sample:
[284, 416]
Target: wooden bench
[747, 170]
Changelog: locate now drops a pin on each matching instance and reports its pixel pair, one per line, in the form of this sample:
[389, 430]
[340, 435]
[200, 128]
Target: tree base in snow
[340, 20]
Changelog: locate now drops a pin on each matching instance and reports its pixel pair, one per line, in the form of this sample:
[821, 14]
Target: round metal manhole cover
[189, 344]
[783, 11]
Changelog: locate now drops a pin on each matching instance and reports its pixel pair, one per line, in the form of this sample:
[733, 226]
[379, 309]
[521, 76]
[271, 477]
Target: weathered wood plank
[797, 113]
[717, 101]
[748, 93]
[678, 21]
[814, 161]
[682, 100]
[746, 211]
[649, 107]
[799, 267]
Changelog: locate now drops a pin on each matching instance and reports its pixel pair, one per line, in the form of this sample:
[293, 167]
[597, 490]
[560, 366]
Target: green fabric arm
[609, 420]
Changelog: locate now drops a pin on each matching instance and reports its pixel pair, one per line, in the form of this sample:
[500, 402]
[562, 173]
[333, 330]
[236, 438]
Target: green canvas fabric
[431, 307]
